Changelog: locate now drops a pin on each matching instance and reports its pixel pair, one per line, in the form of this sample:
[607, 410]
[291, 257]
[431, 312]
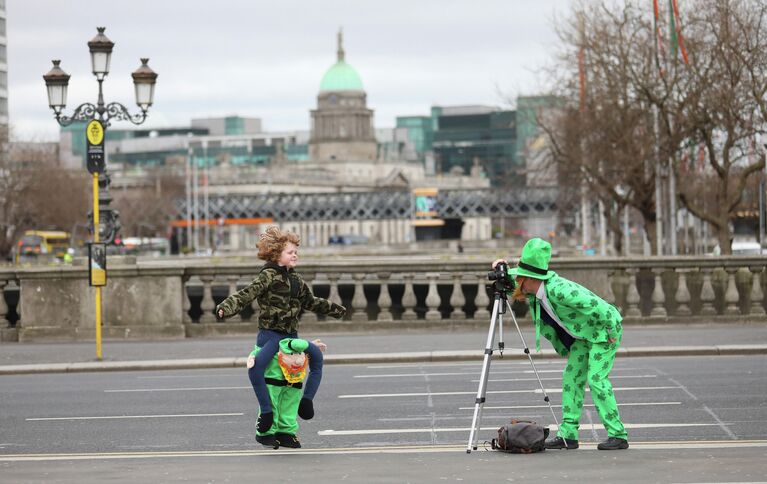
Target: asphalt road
[383, 423]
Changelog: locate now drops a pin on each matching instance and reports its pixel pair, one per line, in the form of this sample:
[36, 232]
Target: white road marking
[612, 377]
[467, 429]
[187, 389]
[477, 364]
[496, 392]
[511, 407]
[708, 410]
[118, 417]
[399, 375]
[196, 375]
[394, 449]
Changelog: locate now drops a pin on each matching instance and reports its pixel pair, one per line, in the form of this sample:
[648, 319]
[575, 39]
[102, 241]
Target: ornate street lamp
[105, 222]
[144, 79]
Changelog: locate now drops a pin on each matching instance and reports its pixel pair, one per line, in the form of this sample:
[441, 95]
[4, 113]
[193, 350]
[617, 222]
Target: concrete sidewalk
[371, 347]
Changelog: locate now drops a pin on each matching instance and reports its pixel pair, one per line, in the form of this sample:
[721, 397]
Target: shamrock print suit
[592, 323]
[581, 326]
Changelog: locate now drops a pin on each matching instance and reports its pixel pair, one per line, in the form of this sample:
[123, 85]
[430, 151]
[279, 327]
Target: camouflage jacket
[281, 295]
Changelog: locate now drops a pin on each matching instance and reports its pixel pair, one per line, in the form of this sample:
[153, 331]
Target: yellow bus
[42, 245]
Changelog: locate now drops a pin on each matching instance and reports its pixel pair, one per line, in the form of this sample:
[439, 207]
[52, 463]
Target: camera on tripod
[500, 275]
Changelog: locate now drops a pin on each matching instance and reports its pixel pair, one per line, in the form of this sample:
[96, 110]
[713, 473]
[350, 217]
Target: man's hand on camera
[498, 261]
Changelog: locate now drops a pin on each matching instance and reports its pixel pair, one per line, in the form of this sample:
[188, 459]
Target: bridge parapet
[177, 299]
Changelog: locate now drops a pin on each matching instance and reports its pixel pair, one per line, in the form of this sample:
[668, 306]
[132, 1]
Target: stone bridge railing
[176, 299]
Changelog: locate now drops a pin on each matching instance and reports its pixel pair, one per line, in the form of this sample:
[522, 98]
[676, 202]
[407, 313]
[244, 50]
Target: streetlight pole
[206, 194]
[98, 116]
[188, 189]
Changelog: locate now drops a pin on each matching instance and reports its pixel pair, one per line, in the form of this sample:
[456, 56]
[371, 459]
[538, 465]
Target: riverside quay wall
[176, 298]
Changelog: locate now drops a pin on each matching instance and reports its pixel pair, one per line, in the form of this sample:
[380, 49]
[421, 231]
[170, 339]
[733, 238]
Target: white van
[743, 248]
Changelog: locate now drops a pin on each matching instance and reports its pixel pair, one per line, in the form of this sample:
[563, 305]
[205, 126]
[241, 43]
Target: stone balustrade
[177, 299]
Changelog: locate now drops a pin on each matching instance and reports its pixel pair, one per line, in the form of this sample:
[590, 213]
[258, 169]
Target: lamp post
[105, 221]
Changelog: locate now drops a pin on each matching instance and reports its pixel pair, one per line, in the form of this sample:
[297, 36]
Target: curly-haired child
[281, 296]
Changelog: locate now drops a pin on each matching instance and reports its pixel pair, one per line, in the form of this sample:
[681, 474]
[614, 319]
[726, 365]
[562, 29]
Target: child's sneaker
[287, 440]
[268, 440]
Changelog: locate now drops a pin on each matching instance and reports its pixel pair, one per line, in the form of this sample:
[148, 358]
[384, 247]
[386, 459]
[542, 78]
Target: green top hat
[534, 261]
[293, 345]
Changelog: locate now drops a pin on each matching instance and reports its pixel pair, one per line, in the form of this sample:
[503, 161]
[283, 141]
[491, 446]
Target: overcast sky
[266, 59]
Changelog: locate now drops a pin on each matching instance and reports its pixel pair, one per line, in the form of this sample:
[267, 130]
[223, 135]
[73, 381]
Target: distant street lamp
[105, 221]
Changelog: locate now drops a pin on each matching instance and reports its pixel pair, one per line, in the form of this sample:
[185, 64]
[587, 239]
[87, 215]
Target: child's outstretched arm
[237, 301]
[319, 305]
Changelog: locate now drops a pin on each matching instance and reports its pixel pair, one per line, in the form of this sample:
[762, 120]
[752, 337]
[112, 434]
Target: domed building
[342, 124]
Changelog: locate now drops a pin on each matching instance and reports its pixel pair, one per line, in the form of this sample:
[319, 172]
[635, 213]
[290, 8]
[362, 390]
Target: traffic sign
[94, 138]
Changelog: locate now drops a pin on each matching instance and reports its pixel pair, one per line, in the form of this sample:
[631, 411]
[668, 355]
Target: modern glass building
[469, 137]
[420, 133]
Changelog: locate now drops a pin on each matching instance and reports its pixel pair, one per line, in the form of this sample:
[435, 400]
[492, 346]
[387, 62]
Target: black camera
[500, 273]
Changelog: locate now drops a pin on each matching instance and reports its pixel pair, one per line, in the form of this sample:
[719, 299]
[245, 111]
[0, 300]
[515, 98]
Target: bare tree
[603, 136]
[37, 193]
[608, 134]
[726, 78]
[148, 210]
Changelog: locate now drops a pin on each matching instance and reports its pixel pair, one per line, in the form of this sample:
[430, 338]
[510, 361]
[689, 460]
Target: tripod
[500, 303]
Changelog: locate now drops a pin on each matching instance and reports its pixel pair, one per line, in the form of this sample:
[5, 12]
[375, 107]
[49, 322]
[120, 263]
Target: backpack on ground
[521, 437]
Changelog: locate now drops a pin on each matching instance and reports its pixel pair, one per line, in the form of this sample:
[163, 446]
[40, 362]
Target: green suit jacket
[583, 314]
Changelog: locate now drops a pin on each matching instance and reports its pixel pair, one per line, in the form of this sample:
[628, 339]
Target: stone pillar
[232, 280]
[333, 295]
[207, 305]
[457, 298]
[757, 295]
[682, 296]
[609, 295]
[658, 297]
[432, 299]
[186, 304]
[308, 316]
[408, 298]
[359, 303]
[384, 299]
[482, 298]
[707, 294]
[4, 323]
[731, 297]
[632, 295]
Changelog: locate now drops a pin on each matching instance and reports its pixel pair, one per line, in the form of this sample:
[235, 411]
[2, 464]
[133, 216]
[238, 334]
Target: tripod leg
[535, 370]
[482, 390]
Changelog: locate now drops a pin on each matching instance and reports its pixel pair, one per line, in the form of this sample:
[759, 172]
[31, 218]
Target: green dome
[341, 77]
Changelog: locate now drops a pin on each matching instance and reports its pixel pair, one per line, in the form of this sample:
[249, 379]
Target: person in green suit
[581, 326]
[284, 378]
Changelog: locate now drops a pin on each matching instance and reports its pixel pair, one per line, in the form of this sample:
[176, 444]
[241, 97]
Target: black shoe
[267, 440]
[264, 423]
[560, 443]
[287, 440]
[306, 409]
[613, 443]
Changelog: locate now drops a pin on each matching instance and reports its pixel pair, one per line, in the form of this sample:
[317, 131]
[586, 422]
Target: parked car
[350, 239]
[742, 248]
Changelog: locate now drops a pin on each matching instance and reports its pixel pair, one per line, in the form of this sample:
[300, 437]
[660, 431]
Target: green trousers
[590, 362]
[285, 400]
